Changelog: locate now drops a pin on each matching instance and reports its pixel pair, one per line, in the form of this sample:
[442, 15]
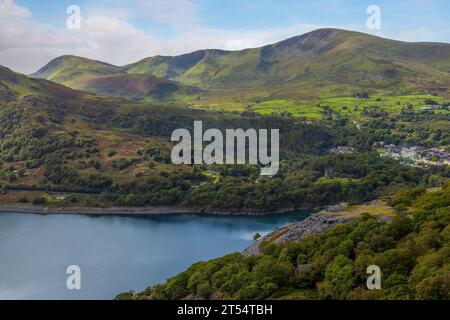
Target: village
[416, 155]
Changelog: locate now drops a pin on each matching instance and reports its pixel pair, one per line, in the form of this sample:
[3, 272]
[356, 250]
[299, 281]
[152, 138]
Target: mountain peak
[321, 36]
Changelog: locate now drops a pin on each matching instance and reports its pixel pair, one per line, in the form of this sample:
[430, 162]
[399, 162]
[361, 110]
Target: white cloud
[9, 7]
[175, 12]
[27, 45]
[240, 39]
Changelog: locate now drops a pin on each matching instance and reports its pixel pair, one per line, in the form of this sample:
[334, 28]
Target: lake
[114, 253]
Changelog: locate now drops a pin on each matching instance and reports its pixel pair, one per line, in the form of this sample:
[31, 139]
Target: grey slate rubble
[315, 224]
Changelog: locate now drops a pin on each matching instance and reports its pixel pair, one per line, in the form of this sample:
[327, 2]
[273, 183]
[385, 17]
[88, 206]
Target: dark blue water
[115, 253]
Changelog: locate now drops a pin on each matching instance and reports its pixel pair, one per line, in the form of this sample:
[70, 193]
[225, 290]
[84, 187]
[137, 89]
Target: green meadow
[347, 106]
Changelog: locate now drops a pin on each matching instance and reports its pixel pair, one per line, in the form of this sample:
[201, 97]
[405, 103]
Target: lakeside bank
[139, 210]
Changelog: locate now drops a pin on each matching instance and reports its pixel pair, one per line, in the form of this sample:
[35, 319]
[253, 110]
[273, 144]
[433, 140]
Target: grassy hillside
[171, 67]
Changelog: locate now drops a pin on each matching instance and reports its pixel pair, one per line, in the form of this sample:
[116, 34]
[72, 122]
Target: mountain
[325, 55]
[324, 62]
[106, 79]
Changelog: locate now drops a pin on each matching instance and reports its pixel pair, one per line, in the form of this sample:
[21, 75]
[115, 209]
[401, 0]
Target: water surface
[115, 253]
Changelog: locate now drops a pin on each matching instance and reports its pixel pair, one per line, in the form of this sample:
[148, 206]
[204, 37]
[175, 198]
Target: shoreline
[96, 211]
[117, 211]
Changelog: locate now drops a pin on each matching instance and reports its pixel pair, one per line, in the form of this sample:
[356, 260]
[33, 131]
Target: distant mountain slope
[67, 69]
[106, 79]
[172, 67]
[318, 59]
[339, 56]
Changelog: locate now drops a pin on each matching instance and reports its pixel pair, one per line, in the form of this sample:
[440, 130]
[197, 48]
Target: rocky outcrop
[315, 224]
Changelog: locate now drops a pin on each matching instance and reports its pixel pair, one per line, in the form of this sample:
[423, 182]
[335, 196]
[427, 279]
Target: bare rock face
[315, 224]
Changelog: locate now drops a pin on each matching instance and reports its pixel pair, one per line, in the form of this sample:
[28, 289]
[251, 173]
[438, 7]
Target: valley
[364, 126]
[110, 146]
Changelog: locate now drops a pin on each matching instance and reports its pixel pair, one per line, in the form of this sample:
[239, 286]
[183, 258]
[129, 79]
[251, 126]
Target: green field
[346, 106]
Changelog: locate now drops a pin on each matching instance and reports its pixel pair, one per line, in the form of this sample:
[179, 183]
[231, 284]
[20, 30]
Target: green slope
[68, 69]
[171, 67]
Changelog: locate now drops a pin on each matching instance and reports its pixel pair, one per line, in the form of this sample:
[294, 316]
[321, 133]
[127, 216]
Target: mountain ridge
[319, 58]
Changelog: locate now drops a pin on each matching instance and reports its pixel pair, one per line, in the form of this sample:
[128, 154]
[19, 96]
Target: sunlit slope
[68, 69]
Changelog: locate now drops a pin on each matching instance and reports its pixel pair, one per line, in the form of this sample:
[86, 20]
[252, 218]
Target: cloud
[174, 12]
[8, 6]
[27, 45]
[240, 39]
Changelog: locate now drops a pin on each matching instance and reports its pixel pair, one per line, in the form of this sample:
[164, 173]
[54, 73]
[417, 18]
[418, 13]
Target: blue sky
[122, 31]
[399, 16]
